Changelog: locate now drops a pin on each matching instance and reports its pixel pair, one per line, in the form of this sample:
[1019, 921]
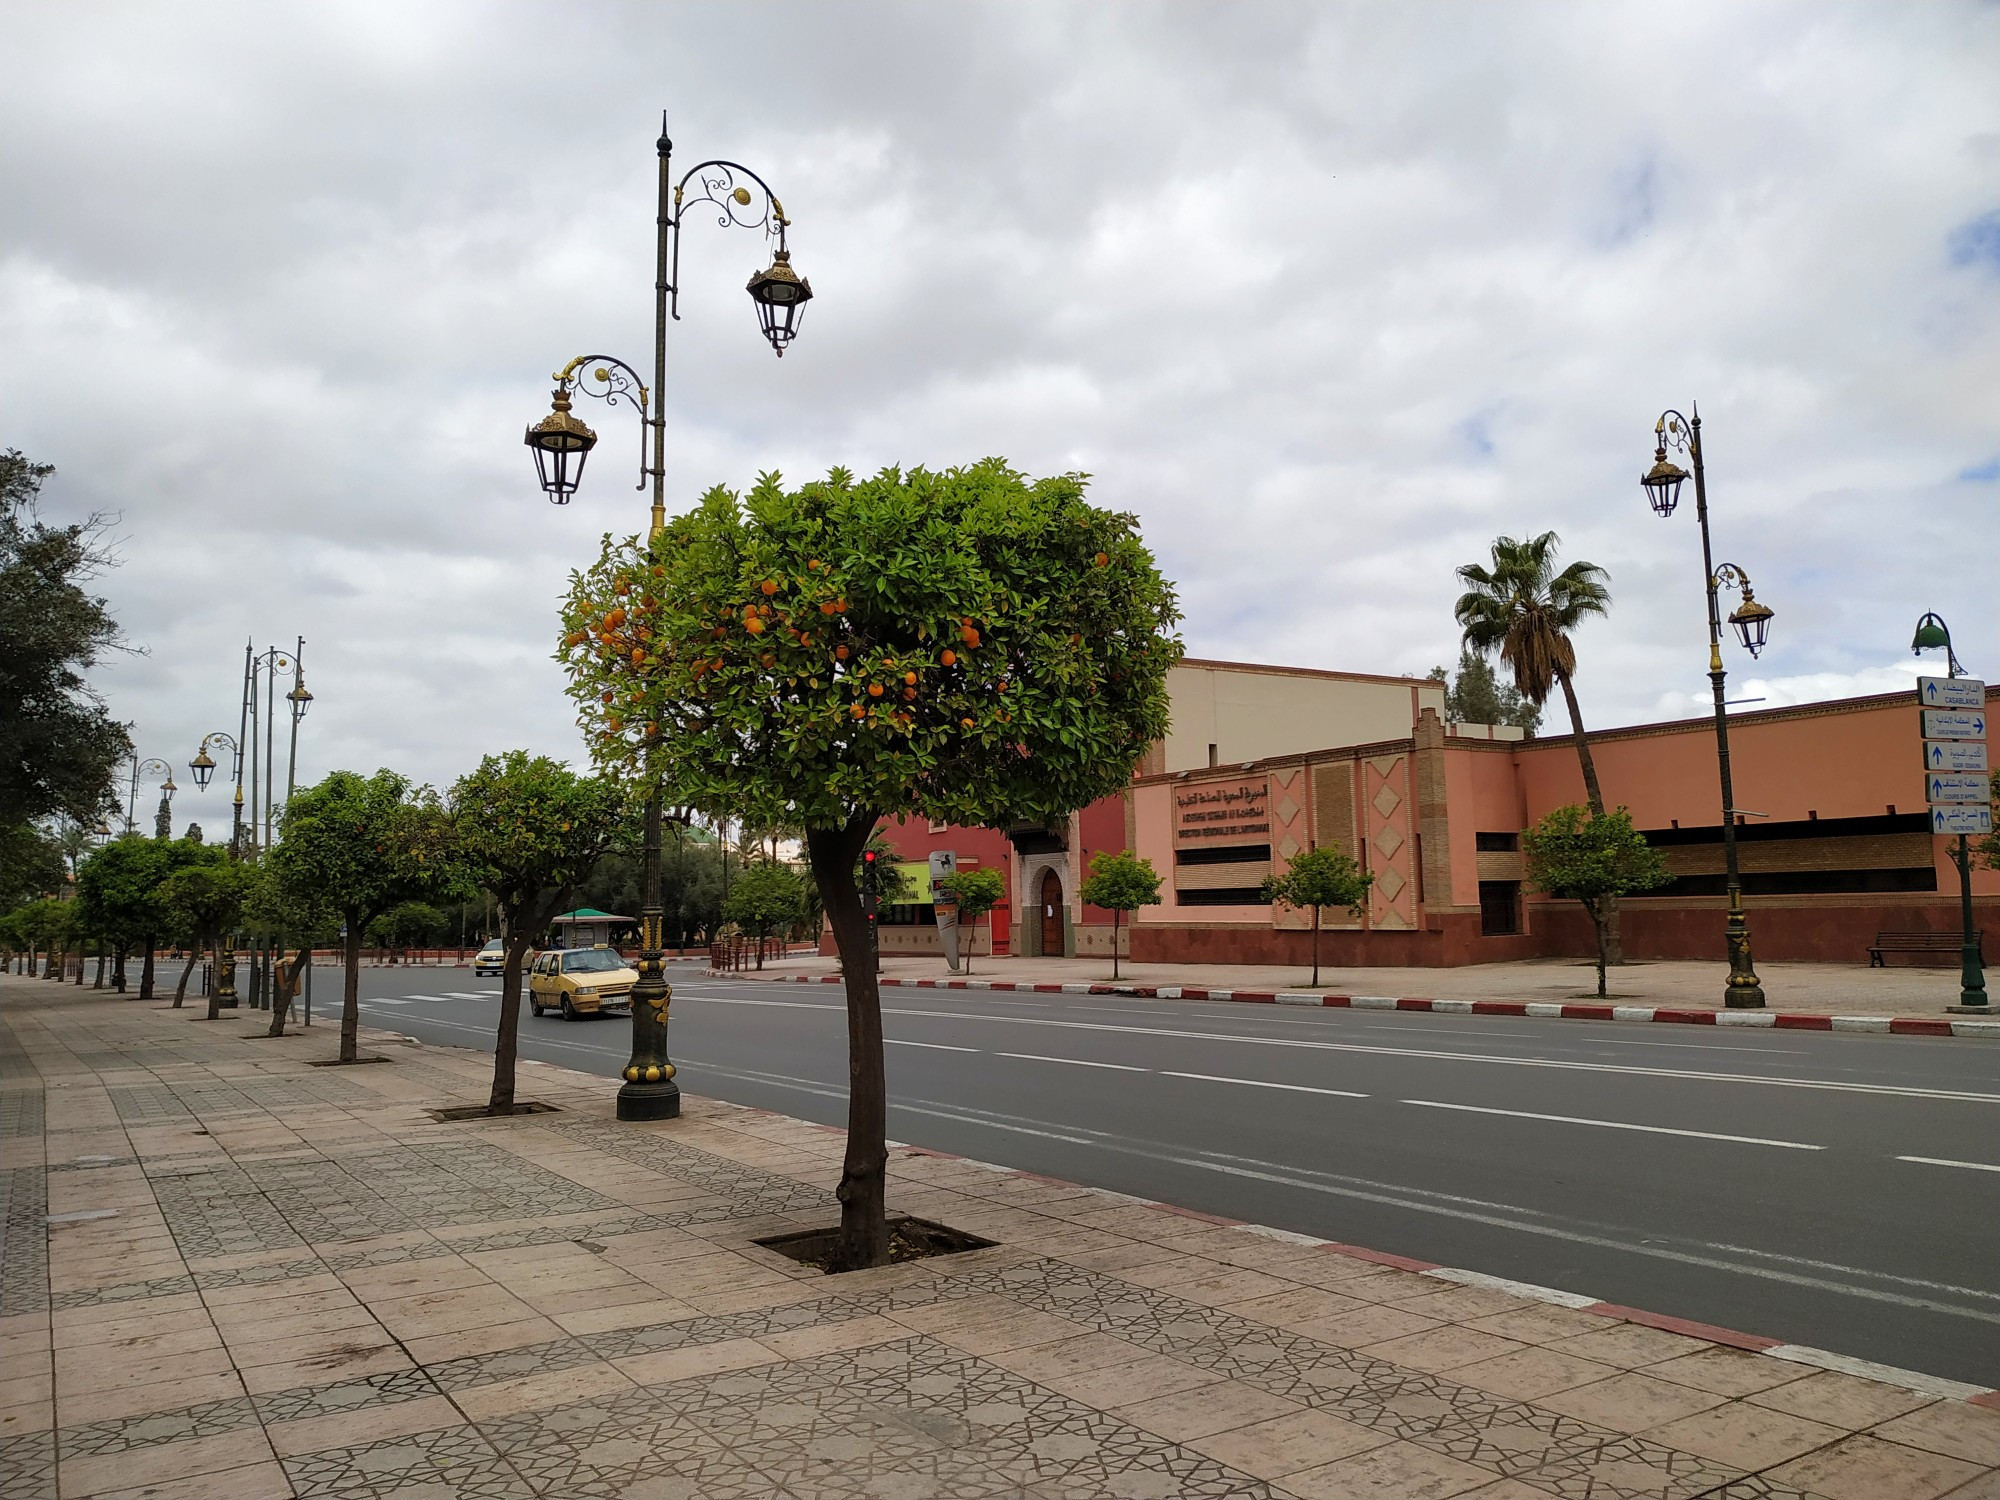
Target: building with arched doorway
[1262, 762]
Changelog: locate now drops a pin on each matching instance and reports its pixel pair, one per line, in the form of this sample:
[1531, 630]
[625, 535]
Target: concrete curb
[1673, 1016]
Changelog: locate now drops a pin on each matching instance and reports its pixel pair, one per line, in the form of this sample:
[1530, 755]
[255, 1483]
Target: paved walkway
[232, 1275]
[1841, 989]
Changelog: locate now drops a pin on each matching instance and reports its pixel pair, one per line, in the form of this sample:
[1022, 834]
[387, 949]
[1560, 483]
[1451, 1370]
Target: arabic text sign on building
[1960, 818]
[1952, 724]
[1951, 692]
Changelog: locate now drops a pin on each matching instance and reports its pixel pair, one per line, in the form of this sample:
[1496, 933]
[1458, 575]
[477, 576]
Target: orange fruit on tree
[874, 689]
[1102, 558]
[947, 657]
[910, 678]
[840, 606]
[909, 692]
[826, 607]
[970, 637]
[858, 711]
[769, 586]
[754, 625]
[965, 723]
[840, 653]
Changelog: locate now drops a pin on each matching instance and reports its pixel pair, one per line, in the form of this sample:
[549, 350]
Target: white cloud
[1330, 296]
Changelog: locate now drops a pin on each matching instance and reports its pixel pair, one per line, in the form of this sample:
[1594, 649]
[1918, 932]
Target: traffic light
[871, 888]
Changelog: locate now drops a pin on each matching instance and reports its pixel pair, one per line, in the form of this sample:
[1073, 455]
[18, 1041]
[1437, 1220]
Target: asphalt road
[1833, 1190]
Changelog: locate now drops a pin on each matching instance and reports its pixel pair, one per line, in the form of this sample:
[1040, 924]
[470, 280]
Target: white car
[487, 962]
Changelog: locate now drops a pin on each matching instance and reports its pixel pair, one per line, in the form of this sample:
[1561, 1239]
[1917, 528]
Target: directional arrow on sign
[1966, 820]
[1958, 788]
[1948, 724]
[1954, 755]
[1951, 692]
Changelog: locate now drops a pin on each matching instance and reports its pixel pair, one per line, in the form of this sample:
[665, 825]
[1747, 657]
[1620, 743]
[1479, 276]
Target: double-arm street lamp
[1934, 635]
[1752, 623]
[203, 767]
[561, 442]
[151, 766]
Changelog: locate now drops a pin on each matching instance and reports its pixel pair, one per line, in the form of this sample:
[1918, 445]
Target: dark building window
[1247, 895]
[1231, 854]
[1499, 908]
[1496, 843]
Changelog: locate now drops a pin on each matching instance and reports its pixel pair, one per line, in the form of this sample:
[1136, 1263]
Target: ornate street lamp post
[151, 766]
[561, 443]
[203, 767]
[1932, 635]
[1752, 623]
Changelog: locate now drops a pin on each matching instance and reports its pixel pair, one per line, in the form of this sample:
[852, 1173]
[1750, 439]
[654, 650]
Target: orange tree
[969, 646]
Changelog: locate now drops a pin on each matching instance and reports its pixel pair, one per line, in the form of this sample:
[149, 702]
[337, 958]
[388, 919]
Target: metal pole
[1743, 991]
[250, 692]
[270, 758]
[1971, 972]
[298, 681]
[649, 1091]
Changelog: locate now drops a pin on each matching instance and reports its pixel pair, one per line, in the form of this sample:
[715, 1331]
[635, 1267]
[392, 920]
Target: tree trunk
[1596, 910]
[1613, 945]
[118, 969]
[181, 989]
[285, 987]
[1315, 983]
[501, 1100]
[864, 1230]
[146, 970]
[350, 997]
[1114, 944]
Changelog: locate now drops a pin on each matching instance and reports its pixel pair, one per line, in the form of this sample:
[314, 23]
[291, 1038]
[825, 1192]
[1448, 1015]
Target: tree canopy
[1316, 879]
[765, 897]
[1592, 858]
[1476, 696]
[59, 747]
[1120, 882]
[968, 645]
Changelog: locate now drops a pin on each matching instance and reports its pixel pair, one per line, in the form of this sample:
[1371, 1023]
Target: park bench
[1945, 945]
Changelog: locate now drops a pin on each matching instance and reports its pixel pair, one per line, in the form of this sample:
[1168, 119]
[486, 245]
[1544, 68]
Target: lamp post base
[650, 1101]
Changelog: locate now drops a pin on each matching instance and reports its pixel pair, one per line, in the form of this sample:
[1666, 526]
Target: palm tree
[1525, 610]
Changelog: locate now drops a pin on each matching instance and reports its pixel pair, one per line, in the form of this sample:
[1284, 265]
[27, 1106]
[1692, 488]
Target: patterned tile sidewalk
[231, 1275]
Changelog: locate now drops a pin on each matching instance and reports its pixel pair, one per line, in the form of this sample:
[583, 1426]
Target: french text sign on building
[1961, 818]
[1954, 755]
[1951, 692]
[1954, 724]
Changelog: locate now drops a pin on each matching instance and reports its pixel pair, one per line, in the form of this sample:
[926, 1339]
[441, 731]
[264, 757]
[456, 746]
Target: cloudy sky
[1329, 295]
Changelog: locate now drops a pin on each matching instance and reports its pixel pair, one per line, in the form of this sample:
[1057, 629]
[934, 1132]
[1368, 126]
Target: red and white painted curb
[1783, 1020]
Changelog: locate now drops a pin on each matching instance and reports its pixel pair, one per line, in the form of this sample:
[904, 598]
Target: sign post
[944, 862]
[1953, 714]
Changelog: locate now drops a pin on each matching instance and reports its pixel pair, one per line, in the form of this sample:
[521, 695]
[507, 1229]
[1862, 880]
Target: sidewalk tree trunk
[970, 646]
[1524, 609]
[527, 831]
[1120, 883]
[1317, 879]
[1586, 857]
[356, 847]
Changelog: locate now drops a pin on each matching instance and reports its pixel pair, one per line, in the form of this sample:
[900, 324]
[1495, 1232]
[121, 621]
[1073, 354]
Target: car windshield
[592, 961]
[492, 948]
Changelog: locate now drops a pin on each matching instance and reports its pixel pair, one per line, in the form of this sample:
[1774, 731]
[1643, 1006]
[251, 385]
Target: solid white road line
[1075, 1061]
[1259, 1083]
[1945, 1161]
[1435, 1053]
[1704, 1135]
[928, 1046]
[476, 994]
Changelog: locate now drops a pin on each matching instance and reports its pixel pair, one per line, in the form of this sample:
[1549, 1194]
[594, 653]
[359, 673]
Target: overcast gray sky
[1329, 295]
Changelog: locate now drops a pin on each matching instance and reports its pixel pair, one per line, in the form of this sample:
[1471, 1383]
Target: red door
[1052, 924]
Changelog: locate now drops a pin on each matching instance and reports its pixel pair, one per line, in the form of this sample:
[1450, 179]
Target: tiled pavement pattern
[309, 1288]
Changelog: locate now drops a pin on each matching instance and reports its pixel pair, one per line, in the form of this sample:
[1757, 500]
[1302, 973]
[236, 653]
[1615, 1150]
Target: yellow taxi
[580, 982]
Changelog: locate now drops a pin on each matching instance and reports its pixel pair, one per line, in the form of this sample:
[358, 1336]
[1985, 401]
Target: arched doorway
[1052, 914]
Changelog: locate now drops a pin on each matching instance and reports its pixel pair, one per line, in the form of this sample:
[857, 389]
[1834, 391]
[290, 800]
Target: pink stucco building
[1833, 837]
